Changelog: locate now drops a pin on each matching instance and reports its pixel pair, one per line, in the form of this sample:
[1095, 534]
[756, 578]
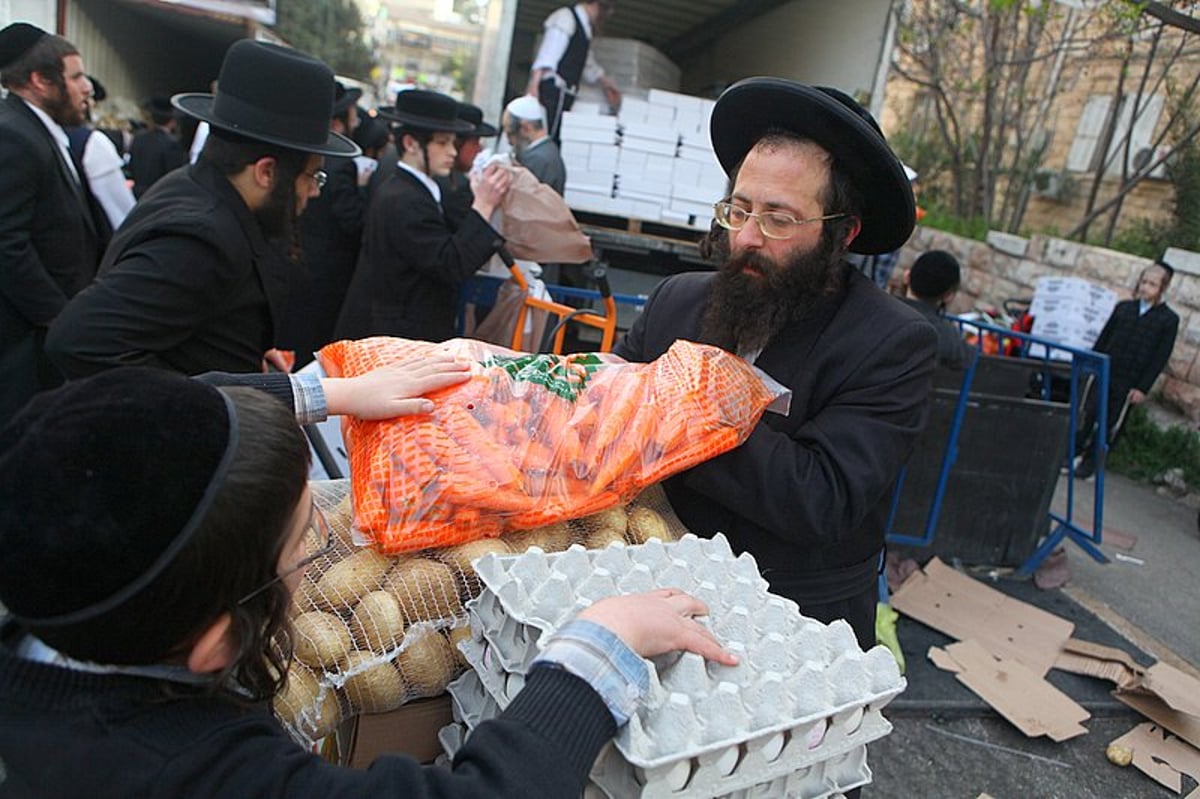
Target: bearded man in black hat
[52, 230]
[193, 282]
[807, 493]
[330, 239]
[413, 262]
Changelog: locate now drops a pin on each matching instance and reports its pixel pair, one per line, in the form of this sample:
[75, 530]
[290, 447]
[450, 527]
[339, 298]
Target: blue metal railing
[1084, 365]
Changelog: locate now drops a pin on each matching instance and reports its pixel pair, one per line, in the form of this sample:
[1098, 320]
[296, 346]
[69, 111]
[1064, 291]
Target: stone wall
[1008, 267]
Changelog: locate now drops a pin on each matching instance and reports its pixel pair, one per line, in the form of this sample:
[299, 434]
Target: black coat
[412, 268]
[152, 154]
[52, 234]
[807, 494]
[330, 237]
[188, 284]
[1138, 345]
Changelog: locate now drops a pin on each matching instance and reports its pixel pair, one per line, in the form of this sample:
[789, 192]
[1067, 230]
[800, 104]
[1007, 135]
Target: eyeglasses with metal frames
[318, 540]
[320, 177]
[773, 224]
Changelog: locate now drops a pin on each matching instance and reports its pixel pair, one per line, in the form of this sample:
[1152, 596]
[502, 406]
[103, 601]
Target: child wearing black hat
[931, 285]
[153, 530]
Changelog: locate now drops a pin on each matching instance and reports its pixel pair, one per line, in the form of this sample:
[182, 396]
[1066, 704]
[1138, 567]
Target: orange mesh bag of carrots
[532, 439]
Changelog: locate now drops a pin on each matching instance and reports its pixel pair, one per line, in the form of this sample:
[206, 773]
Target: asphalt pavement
[949, 744]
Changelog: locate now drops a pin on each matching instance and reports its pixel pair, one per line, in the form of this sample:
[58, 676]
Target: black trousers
[556, 101]
[1118, 410]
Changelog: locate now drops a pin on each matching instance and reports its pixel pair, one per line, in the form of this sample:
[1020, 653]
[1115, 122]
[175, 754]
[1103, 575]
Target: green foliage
[940, 218]
[331, 30]
[1145, 450]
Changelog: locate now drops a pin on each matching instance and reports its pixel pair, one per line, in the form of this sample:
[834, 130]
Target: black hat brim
[200, 106]
[484, 130]
[751, 107]
[431, 124]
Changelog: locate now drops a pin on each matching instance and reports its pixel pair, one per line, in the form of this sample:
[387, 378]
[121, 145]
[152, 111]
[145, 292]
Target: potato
[647, 523]
[602, 537]
[351, 579]
[320, 639]
[614, 518]
[377, 623]
[341, 515]
[296, 705]
[550, 537]
[428, 664]
[459, 558]
[425, 589]
[376, 689]
[457, 635]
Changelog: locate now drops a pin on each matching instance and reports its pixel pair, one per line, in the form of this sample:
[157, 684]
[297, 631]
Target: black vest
[570, 66]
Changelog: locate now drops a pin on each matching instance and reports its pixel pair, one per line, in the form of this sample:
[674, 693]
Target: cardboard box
[651, 146]
[411, 730]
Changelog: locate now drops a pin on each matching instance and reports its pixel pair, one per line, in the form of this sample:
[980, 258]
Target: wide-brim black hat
[428, 111]
[474, 115]
[272, 94]
[749, 108]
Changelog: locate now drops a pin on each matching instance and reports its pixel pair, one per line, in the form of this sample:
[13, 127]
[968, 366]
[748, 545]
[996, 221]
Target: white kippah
[527, 107]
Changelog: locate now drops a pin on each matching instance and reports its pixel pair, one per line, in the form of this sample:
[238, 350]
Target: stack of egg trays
[773, 723]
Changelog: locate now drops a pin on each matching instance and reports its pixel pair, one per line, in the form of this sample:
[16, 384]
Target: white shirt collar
[55, 129]
[60, 137]
[426, 181]
[531, 145]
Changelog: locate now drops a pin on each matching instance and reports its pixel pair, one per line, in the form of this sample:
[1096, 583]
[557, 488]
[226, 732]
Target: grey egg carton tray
[796, 674]
[614, 777]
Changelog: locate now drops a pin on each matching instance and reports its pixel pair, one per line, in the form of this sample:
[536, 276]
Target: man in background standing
[156, 150]
[525, 128]
[1138, 338]
[329, 241]
[52, 231]
[564, 59]
[456, 186]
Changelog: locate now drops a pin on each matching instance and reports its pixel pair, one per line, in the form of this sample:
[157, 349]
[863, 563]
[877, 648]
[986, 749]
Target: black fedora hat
[344, 97]
[474, 115]
[425, 110]
[832, 119]
[272, 94]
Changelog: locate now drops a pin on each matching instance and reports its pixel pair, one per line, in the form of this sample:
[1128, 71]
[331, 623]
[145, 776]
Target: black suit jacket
[807, 494]
[189, 284]
[412, 267]
[152, 154]
[330, 237]
[51, 240]
[1139, 346]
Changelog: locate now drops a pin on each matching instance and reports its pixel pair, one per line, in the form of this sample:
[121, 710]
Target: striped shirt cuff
[308, 398]
[602, 660]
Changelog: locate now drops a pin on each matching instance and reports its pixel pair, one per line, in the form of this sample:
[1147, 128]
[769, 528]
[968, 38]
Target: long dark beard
[277, 217]
[59, 109]
[744, 311]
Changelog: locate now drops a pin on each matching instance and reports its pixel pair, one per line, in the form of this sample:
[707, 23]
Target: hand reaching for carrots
[397, 389]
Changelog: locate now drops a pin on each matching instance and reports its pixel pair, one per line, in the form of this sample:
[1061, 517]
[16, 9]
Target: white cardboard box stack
[654, 161]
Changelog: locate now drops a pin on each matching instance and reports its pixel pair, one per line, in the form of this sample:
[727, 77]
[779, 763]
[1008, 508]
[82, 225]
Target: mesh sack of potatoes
[372, 631]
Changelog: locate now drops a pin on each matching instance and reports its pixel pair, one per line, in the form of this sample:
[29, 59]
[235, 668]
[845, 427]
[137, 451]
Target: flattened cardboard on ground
[1023, 697]
[1096, 660]
[1185, 726]
[1162, 757]
[963, 607]
[1179, 690]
